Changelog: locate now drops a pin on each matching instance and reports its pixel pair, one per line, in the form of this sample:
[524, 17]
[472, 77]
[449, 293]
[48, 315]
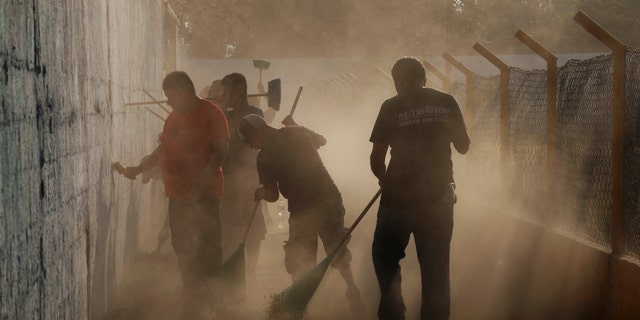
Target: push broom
[228, 282]
[291, 303]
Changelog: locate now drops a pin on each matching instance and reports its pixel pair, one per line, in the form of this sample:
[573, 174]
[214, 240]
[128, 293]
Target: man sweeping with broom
[419, 125]
[239, 167]
[289, 163]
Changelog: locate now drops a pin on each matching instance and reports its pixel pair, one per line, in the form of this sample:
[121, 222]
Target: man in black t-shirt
[419, 125]
[289, 163]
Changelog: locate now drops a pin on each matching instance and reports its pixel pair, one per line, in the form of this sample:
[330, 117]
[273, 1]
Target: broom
[229, 280]
[291, 303]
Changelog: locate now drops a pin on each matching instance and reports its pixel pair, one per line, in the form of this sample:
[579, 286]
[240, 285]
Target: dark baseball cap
[249, 124]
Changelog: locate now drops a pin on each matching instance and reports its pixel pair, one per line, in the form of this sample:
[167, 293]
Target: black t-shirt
[419, 126]
[240, 157]
[290, 158]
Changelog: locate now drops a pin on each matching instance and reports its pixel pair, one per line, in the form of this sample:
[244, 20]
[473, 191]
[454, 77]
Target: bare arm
[377, 160]
[318, 140]
[271, 192]
[462, 147]
[220, 148]
[148, 162]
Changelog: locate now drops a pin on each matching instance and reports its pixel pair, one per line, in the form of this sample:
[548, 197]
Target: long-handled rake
[228, 282]
[292, 302]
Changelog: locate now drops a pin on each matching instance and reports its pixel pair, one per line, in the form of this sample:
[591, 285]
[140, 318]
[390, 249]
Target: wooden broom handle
[355, 223]
[295, 102]
[253, 215]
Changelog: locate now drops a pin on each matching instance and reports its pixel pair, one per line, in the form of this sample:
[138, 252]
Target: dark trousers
[195, 236]
[432, 226]
[324, 219]
[237, 209]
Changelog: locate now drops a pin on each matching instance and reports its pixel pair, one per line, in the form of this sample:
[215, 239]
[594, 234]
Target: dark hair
[178, 80]
[214, 88]
[408, 70]
[237, 82]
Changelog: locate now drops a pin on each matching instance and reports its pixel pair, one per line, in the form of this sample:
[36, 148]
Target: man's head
[214, 93]
[234, 93]
[203, 93]
[179, 90]
[215, 89]
[251, 129]
[408, 73]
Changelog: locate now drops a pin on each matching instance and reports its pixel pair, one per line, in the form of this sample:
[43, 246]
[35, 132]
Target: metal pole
[155, 114]
[155, 100]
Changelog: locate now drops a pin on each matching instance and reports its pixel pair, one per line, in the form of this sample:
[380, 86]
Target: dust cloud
[491, 251]
[345, 116]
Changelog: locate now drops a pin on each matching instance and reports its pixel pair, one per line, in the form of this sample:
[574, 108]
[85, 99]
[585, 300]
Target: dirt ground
[497, 272]
[152, 286]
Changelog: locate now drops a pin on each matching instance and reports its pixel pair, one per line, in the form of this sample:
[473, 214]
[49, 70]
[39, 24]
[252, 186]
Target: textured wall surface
[68, 225]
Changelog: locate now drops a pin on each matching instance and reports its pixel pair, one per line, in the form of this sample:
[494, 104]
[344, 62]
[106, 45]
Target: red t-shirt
[187, 147]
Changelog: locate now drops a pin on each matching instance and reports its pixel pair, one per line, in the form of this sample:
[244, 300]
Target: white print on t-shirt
[423, 114]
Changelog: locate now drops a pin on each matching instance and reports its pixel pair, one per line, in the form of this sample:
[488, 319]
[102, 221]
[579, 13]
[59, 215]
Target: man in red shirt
[193, 145]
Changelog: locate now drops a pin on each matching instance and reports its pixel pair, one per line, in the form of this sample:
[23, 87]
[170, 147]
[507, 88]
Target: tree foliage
[339, 28]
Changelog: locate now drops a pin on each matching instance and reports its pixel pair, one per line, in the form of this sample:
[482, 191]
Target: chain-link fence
[527, 136]
[632, 154]
[584, 131]
[584, 144]
[458, 91]
[485, 126]
[583, 168]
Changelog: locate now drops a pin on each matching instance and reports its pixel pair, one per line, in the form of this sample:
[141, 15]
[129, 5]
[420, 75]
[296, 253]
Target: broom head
[228, 283]
[291, 303]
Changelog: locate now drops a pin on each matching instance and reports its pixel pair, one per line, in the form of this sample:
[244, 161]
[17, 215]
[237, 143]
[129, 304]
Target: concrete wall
[68, 225]
[550, 274]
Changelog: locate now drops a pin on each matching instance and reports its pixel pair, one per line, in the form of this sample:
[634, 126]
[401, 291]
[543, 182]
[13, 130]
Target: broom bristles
[276, 310]
[292, 302]
[227, 284]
